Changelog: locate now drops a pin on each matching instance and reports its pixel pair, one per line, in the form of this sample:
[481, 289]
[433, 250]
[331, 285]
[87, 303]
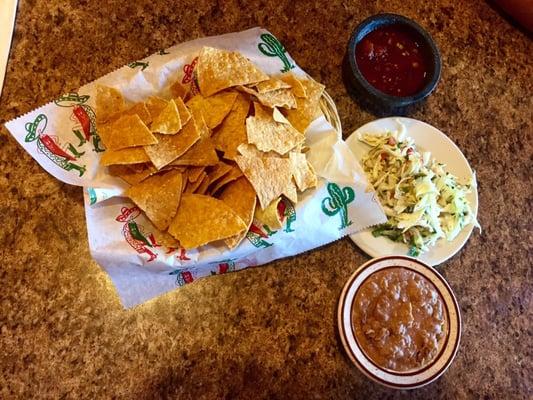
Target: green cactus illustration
[338, 202]
[271, 47]
[136, 64]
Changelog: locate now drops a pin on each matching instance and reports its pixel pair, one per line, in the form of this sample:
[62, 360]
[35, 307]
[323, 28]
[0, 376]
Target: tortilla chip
[141, 110]
[232, 131]
[127, 131]
[166, 240]
[250, 150]
[201, 154]
[185, 114]
[297, 88]
[269, 135]
[270, 85]
[275, 98]
[213, 108]
[240, 197]
[278, 116]
[155, 105]
[269, 176]
[303, 173]
[178, 90]
[168, 121]
[270, 215]
[218, 171]
[196, 107]
[202, 187]
[194, 173]
[130, 155]
[132, 175]
[202, 219]
[232, 175]
[192, 186]
[290, 192]
[109, 101]
[171, 147]
[220, 69]
[159, 197]
[308, 109]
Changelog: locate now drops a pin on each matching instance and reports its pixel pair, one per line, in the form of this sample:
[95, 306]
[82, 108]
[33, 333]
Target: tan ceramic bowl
[395, 379]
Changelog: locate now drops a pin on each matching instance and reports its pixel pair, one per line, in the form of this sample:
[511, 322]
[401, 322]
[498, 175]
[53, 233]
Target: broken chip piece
[220, 69]
[159, 197]
[202, 219]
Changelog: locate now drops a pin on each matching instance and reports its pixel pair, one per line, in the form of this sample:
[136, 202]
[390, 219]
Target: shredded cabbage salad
[422, 201]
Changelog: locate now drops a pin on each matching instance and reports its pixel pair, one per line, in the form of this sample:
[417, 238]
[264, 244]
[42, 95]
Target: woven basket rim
[328, 107]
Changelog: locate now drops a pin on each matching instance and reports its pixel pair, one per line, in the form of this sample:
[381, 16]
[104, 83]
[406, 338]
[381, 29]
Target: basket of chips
[212, 156]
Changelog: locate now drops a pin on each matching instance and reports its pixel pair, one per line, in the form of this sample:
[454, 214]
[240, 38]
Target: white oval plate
[426, 138]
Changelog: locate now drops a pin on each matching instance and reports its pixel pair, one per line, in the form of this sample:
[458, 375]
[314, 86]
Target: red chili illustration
[84, 120]
[188, 70]
[187, 276]
[257, 231]
[281, 209]
[52, 146]
[223, 268]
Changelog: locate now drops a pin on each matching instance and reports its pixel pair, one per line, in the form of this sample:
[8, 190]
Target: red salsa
[393, 60]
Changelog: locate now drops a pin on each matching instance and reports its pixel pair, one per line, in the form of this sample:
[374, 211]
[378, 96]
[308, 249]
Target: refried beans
[399, 319]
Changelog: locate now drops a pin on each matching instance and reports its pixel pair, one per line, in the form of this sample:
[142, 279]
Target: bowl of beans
[393, 62]
[399, 322]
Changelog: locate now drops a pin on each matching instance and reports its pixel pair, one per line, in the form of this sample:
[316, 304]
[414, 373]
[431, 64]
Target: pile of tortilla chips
[198, 163]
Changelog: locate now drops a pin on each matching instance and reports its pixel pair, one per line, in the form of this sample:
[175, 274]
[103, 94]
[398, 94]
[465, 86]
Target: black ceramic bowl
[377, 100]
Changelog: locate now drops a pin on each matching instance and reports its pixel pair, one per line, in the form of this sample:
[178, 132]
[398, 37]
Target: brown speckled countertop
[267, 332]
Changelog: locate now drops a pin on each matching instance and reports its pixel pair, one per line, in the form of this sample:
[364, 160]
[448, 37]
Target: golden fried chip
[168, 121]
[171, 147]
[213, 108]
[160, 238]
[109, 101]
[202, 187]
[178, 90]
[275, 98]
[166, 240]
[303, 173]
[220, 69]
[202, 219]
[290, 192]
[232, 131]
[269, 135]
[240, 197]
[127, 131]
[218, 171]
[132, 175]
[185, 114]
[250, 150]
[270, 215]
[196, 107]
[269, 176]
[232, 175]
[155, 105]
[141, 110]
[192, 186]
[201, 154]
[270, 85]
[159, 197]
[194, 173]
[130, 155]
[180, 169]
[308, 109]
[297, 88]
